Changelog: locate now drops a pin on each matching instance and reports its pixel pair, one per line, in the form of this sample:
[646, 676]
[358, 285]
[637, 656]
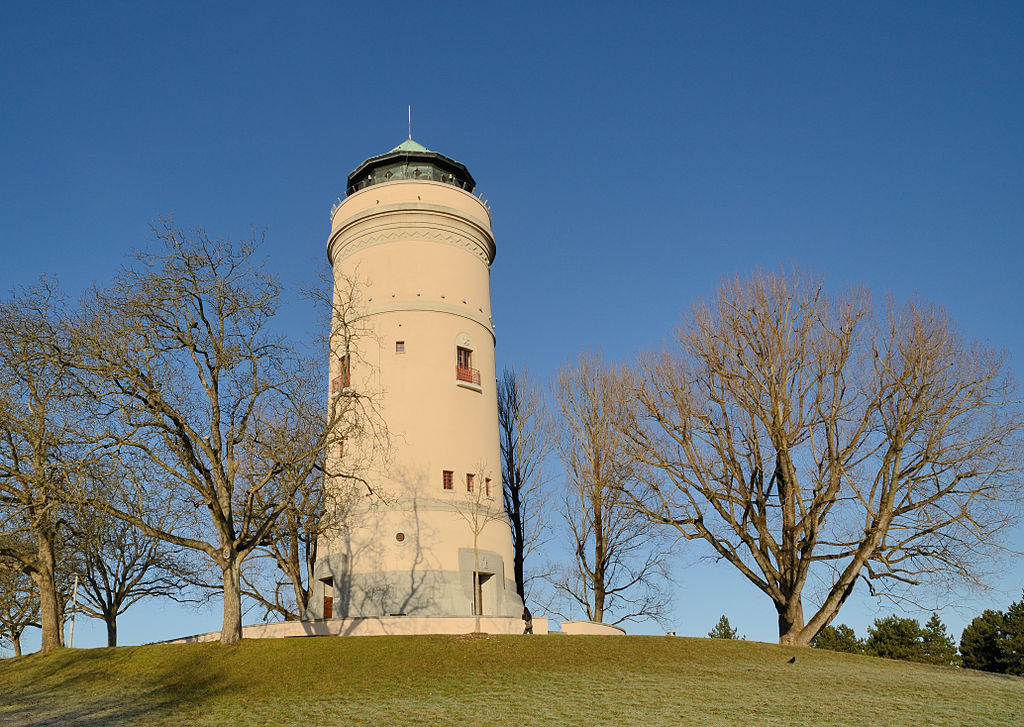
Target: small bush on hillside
[723, 630]
[838, 638]
[894, 637]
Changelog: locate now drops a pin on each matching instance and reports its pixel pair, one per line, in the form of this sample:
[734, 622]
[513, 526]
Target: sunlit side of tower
[418, 245]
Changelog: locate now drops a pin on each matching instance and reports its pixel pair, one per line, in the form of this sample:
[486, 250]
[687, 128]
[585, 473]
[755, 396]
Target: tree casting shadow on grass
[66, 693]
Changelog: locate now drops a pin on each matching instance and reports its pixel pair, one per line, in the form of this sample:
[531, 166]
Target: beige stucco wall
[420, 253]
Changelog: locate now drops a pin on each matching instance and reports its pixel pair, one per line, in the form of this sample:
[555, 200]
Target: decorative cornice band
[432, 307]
[409, 206]
[416, 233]
[412, 222]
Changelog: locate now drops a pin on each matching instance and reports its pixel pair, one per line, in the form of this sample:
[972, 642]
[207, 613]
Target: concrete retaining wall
[382, 626]
[591, 627]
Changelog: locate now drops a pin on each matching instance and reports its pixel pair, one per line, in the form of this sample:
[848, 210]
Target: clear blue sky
[633, 155]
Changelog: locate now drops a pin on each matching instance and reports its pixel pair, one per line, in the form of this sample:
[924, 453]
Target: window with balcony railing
[469, 375]
[464, 370]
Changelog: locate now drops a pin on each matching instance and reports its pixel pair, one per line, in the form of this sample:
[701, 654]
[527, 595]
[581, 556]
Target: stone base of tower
[416, 593]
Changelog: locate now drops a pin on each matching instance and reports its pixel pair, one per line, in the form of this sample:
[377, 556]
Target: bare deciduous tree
[41, 445]
[522, 428]
[618, 567]
[19, 604]
[277, 577]
[804, 435]
[180, 348]
[320, 503]
[323, 496]
[478, 509]
[120, 565]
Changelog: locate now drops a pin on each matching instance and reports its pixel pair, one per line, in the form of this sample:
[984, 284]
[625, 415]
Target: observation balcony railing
[470, 376]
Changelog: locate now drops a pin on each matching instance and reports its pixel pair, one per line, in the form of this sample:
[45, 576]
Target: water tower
[418, 244]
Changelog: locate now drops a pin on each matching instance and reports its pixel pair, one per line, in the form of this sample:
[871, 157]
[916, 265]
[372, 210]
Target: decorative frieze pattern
[417, 233]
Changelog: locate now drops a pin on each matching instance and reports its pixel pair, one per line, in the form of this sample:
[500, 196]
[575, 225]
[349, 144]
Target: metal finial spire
[410, 122]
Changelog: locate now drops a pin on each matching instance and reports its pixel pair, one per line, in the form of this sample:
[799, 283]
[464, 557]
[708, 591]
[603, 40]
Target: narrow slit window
[328, 597]
[487, 486]
[344, 378]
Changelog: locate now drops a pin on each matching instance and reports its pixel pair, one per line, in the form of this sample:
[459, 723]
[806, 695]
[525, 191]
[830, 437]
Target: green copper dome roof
[410, 161]
[409, 145]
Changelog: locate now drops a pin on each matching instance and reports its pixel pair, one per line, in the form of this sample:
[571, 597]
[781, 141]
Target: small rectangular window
[470, 478]
[399, 346]
[487, 486]
[328, 597]
[464, 358]
[448, 478]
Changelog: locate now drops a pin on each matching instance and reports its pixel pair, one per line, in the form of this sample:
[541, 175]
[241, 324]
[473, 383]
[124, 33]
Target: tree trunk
[518, 545]
[477, 595]
[16, 640]
[518, 540]
[231, 628]
[61, 616]
[303, 591]
[599, 582]
[111, 621]
[49, 609]
[597, 586]
[791, 623]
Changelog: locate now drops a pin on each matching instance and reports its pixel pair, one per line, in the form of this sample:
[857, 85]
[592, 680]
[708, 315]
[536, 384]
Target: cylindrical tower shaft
[433, 540]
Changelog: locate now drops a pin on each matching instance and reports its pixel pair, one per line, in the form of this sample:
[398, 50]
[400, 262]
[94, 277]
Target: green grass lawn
[496, 680]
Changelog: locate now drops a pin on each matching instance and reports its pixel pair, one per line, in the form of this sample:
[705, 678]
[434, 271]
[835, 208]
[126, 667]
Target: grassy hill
[500, 680]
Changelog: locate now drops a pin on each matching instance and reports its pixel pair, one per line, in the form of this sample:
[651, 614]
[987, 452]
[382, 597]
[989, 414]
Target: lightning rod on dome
[410, 122]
